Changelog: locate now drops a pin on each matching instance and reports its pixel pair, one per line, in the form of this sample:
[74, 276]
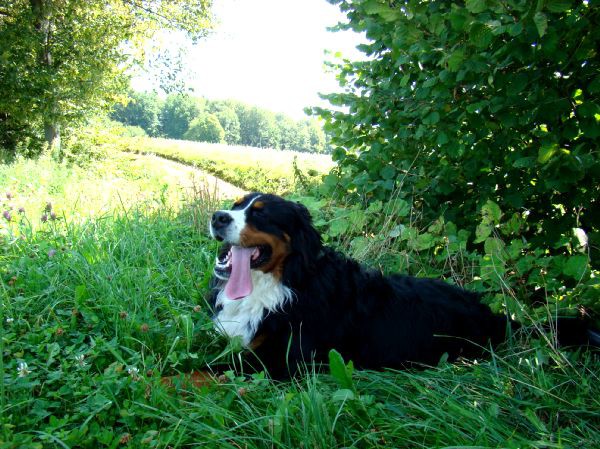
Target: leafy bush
[205, 128]
[483, 116]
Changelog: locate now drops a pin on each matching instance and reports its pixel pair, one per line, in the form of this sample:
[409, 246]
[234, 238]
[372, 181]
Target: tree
[142, 109]
[228, 120]
[205, 128]
[177, 113]
[287, 131]
[62, 59]
[316, 137]
[302, 142]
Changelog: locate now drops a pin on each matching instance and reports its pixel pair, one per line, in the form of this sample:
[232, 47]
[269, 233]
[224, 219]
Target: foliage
[95, 310]
[205, 128]
[142, 109]
[243, 124]
[508, 271]
[63, 59]
[264, 169]
[177, 113]
[484, 117]
[228, 120]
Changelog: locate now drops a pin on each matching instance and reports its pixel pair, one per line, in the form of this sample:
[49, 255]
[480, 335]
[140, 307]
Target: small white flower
[80, 359]
[134, 372]
[9, 320]
[22, 369]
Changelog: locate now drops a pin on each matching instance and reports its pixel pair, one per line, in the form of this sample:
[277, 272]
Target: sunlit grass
[259, 169]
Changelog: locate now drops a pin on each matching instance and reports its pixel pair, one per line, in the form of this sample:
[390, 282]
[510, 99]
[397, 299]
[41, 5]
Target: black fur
[374, 320]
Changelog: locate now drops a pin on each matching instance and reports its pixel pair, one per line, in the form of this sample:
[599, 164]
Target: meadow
[104, 274]
[254, 169]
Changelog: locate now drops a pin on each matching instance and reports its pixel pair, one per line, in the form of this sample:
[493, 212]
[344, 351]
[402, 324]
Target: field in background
[100, 302]
[253, 169]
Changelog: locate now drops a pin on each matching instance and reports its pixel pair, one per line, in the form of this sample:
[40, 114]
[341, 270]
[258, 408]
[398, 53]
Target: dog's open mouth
[235, 267]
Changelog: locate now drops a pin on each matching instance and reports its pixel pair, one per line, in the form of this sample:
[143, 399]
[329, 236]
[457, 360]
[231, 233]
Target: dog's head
[266, 233]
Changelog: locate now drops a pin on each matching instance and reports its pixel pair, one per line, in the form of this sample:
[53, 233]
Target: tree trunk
[52, 135]
[42, 11]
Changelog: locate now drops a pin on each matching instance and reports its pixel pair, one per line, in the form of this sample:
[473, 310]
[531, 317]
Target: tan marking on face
[239, 201]
[257, 341]
[258, 205]
[280, 249]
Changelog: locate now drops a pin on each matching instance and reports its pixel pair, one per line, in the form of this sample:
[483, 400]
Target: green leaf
[424, 241]
[482, 232]
[396, 231]
[515, 248]
[442, 138]
[376, 7]
[432, 118]
[81, 294]
[388, 172]
[481, 36]
[524, 162]
[398, 207]
[341, 372]
[493, 246]
[545, 153]
[476, 6]
[342, 395]
[458, 19]
[491, 212]
[338, 227]
[541, 22]
[576, 266]
[455, 60]
[558, 5]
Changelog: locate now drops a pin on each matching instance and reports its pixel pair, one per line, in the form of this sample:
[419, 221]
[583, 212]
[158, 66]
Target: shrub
[487, 115]
[205, 128]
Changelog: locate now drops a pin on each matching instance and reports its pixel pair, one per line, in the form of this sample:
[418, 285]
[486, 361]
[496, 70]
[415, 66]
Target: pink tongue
[239, 284]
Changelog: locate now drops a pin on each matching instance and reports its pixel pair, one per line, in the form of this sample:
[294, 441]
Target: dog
[291, 299]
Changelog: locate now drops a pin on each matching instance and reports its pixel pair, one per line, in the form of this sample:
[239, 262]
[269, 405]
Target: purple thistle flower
[44, 218]
[21, 210]
[9, 195]
[52, 216]
[6, 214]
[52, 253]
[48, 207]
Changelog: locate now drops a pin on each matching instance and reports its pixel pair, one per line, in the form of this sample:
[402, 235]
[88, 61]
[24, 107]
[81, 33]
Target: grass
[253, 169]
[109, 297]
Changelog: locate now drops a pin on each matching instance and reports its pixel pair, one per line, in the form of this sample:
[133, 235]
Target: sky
[268, 53]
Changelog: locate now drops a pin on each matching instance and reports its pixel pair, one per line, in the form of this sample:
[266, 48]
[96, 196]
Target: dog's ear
[305, 245]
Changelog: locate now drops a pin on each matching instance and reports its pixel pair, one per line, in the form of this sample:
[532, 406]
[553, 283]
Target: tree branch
[151, 12]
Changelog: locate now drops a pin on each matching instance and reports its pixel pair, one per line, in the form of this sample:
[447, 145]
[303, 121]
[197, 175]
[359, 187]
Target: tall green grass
[100, 307]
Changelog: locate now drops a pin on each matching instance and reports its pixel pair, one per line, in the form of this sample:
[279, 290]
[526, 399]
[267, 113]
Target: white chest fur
[241, 317]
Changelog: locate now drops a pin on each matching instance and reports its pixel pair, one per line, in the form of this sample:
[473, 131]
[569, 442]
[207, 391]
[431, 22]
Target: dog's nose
[220, 219]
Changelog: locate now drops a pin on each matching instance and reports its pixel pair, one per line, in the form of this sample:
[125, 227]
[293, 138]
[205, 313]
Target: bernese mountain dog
[291, 299]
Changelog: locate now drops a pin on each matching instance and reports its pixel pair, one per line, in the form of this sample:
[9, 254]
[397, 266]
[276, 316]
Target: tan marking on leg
[257, 341]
